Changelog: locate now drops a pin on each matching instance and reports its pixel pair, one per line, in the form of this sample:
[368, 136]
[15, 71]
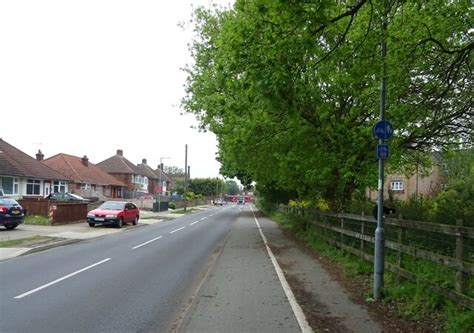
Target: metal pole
[160, 183]
[185, 174]
[379, 232]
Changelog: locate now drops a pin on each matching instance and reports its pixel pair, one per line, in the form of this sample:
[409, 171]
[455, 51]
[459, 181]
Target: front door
[47, 188]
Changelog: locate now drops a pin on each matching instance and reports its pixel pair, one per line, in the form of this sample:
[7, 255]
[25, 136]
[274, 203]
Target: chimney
[85, 160]
[120, 152]
[144, 161]
[39, 155]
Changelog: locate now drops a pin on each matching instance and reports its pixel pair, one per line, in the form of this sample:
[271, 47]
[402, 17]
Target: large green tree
[291, 88]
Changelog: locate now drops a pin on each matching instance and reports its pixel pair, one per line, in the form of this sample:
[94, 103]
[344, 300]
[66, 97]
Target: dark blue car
[11, 213]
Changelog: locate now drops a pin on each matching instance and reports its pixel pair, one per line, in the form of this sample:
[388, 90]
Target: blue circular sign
[383, 130]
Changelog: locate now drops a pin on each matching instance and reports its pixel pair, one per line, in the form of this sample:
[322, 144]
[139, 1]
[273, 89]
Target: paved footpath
[244, 284]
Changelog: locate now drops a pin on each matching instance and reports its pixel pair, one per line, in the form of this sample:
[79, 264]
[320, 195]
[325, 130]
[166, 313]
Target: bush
[456, 202]
[415, 208]
[172, 205]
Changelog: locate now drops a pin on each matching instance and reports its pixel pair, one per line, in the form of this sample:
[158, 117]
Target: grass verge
[413, 300]
[181, 211]
[22, 241]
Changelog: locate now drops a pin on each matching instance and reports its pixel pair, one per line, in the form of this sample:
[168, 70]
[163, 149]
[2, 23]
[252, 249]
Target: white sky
[92, 76]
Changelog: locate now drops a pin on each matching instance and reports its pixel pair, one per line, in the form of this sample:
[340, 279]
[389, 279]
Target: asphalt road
[142, 280]
[128, 282]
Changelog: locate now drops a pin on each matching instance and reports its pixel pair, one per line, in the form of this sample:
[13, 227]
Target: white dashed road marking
[177, 230]
[60, 279]
[143, 244]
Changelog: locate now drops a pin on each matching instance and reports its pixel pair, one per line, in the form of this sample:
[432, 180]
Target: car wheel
[11, 226]
[92, 225]
[135, 220]
[120, 223]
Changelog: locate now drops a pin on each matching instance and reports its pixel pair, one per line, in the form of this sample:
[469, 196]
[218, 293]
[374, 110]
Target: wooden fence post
[342, 227]
[401, 236]
[461, 277]
[362, 233]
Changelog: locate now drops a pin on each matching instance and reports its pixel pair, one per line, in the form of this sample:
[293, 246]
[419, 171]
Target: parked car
[117, 213]
[11, 213]
[66, 196]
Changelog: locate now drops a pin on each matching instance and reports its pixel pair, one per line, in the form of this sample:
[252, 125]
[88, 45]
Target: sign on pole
[383, 152]
[383, 130]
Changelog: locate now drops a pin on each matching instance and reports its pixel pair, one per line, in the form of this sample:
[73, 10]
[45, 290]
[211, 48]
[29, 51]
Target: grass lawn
[36, 219]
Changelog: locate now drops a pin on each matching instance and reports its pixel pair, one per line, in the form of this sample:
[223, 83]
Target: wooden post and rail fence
[449, 249]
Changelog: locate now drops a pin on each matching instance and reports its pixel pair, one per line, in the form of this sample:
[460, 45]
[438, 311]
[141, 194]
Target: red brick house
[86, 179]
[24, 176]
[132, 176]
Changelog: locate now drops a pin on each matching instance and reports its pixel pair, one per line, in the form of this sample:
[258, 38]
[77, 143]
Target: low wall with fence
[410, 247]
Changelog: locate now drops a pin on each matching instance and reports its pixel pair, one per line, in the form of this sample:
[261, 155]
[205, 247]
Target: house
[135, 179]
[402, 187]
[24, 176]
[86, 179]
[166, 182]
[153, 177]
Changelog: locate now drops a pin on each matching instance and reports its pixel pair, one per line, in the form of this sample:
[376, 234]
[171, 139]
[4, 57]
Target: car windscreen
[112, 205]
[76, 196]
[8, 202]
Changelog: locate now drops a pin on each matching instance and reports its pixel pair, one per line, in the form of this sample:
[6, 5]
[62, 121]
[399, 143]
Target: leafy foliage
[231, 187]
[201, 186]
[291, 89]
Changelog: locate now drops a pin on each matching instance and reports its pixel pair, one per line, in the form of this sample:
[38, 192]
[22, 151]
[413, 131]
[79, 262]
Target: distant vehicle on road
[11, 213]
[66, 196]
[241, 201]
[117, 213]
[219, 202]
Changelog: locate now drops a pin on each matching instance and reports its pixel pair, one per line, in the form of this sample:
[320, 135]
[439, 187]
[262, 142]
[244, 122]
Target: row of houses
[22, 176]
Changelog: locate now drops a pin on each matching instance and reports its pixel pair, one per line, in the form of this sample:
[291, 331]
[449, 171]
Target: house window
[33, 187]
[98, 189]
[85, 186]
[396, 185]
[119, 192]
[59, 186]
[10, 185]
[108, 191]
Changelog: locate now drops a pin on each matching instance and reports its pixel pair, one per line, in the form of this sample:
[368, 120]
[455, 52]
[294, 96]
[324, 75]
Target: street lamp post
[160, 183]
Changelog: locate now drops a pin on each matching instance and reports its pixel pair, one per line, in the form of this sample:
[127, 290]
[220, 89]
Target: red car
[117, 213]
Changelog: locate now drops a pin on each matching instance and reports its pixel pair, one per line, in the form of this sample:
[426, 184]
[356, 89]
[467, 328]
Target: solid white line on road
[177, 230]
[61, 279]
[299, 314]
[143, 244]
[194, 222]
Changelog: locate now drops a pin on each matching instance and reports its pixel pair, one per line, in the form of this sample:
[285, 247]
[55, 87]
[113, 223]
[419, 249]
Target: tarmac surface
[327, 305]
[69, 233]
